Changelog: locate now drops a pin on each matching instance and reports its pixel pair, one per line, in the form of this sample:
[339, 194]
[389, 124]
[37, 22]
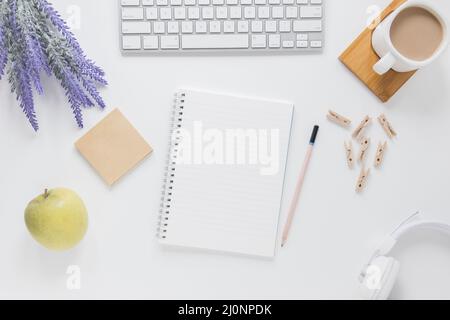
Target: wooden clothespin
[365, 143]
[358, 131]
[362, 179]
[387, 127]
[338, 119]
[349, 150]
[380, 153]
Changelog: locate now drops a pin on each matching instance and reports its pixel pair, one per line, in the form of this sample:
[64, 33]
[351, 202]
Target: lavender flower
[3, 52]
[35, 39]
[3, 40]
[19, 77]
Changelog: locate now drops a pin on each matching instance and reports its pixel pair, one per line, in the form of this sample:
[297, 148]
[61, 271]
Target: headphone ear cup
[388, 281]
[380, 278]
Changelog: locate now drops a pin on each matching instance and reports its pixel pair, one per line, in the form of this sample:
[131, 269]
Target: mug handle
[384, 64]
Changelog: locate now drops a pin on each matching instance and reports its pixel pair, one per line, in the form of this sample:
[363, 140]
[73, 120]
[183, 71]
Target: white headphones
[378, 277]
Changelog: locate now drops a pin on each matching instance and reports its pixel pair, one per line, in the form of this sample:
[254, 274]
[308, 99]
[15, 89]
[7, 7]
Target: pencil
[298, 188]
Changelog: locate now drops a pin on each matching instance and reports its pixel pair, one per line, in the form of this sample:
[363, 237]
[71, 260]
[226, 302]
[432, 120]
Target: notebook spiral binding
[168, 182]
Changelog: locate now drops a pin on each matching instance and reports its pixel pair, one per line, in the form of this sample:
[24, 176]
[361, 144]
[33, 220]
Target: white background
[335, 230]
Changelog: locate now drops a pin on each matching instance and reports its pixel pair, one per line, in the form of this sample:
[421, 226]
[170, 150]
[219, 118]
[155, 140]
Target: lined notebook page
[232, 205]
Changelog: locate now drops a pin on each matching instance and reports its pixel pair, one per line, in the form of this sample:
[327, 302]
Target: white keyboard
[150, 26]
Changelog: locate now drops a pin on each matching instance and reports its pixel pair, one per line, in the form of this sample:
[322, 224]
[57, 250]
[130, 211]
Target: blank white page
[223, 202]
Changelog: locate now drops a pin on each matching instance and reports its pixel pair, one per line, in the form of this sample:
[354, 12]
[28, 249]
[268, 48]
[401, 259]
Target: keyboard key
[302, 44]
[291, 12]
[228, 26]
[235, 12]
[307, 25]
[221, 12]
[179, 13]
[162, 2]
[274, 41]
[130, 2]
[302, 36]
[189, 2]
[131, 42]
[242, 26]
[311, 12]
[233, 41]
[165, 13]
[249, 12]
[285, 26]
[214, 27]
[148, 2]
[176, 2]
[170, 42]
[172, 27]
[187, 27]
[132, 13]
[271, 26]
[316, 44]
[159, 27]
[200, 27]
[259, 41]
[136, 27]
[151, 42]
[263, 12]
[207, 13]
[257, 26]
[194, 13]
[277, 13]
[152, 13]
[288, 44]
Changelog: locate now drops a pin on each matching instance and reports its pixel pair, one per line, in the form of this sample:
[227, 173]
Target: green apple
[57, 219]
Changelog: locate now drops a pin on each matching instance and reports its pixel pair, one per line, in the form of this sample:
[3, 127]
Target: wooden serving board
[360, 57]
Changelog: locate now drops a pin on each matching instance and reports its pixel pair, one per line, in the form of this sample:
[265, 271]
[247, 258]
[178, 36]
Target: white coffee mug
[391, 58]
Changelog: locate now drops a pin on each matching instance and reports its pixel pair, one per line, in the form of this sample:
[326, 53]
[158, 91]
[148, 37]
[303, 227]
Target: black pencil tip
[314, 135]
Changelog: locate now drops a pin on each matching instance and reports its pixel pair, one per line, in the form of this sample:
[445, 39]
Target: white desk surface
[335, 230]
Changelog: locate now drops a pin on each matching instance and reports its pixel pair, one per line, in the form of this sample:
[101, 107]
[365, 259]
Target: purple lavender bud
[89, 86]
[3, 51]
[33, 64]
[24, 92]
[40, 56]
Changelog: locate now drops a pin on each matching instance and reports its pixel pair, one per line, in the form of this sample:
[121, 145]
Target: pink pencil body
[298, 188]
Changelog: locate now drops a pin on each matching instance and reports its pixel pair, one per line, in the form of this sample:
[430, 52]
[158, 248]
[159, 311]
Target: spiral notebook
[225, 173]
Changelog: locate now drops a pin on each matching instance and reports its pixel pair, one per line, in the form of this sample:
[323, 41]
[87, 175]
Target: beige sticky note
[113, 147]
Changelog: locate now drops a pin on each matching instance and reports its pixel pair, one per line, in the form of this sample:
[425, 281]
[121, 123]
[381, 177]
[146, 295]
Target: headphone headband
[434, 225]
[391, 241]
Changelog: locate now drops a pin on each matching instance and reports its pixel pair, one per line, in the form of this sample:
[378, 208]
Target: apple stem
[46, 194]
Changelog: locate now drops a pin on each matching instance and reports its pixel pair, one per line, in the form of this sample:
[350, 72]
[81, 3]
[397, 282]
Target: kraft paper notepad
[219, 194]
[113, 147]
